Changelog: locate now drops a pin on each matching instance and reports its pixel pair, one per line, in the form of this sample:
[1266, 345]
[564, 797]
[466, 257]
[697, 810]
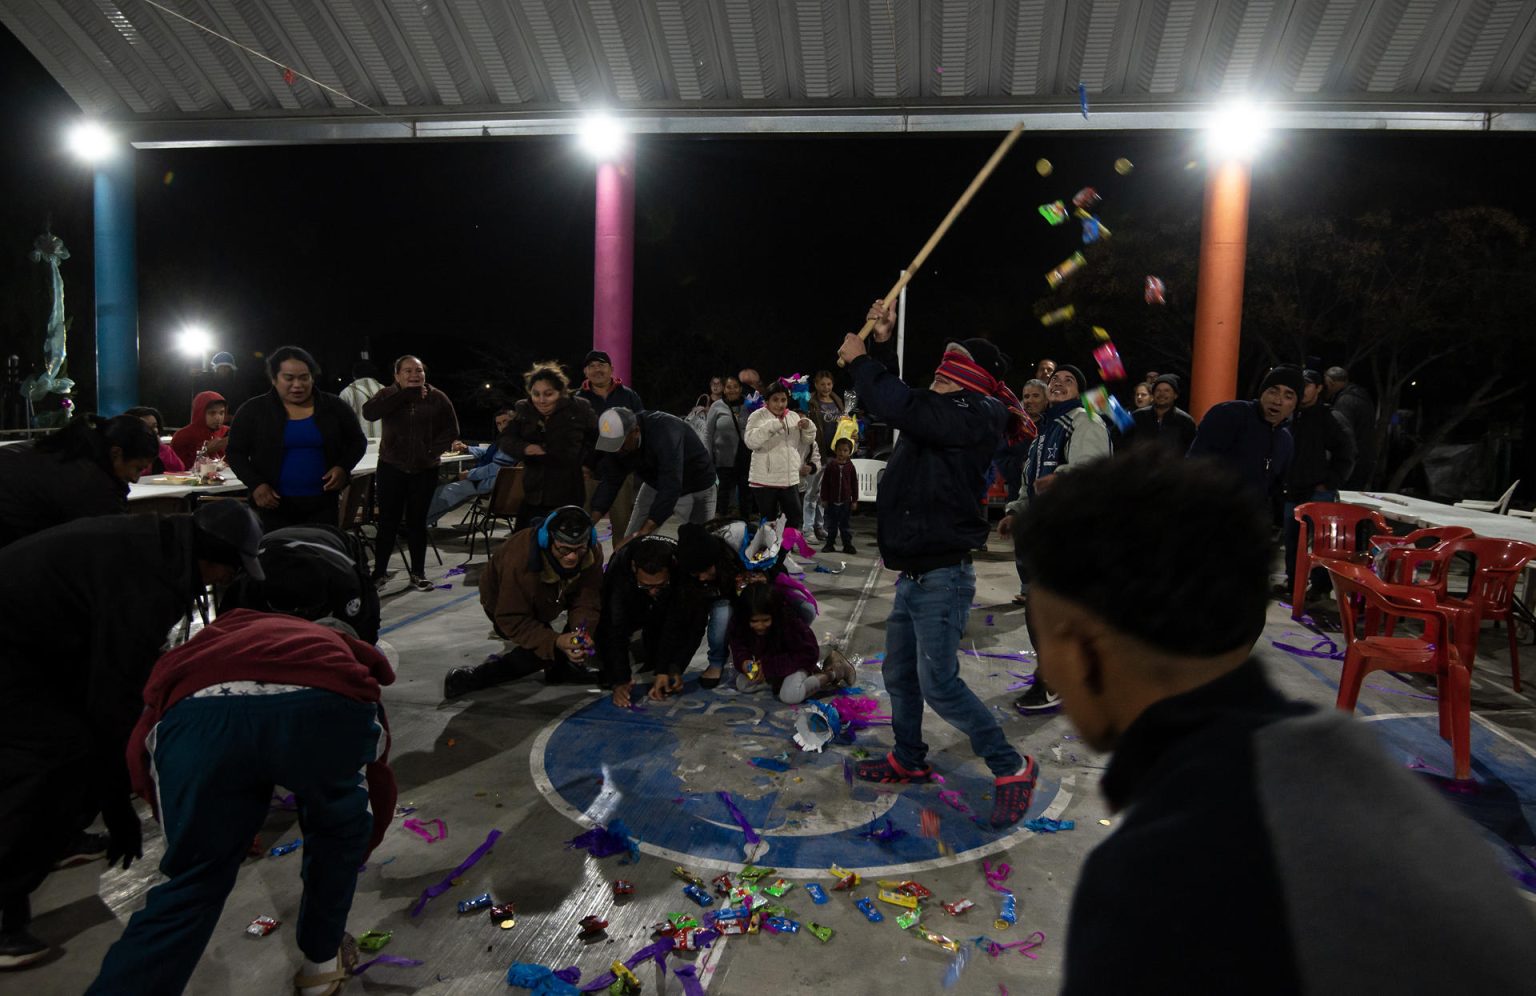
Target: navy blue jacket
[1235, 433]
[928, 511]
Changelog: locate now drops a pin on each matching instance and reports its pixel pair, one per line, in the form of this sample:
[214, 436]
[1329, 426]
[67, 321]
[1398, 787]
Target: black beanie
[987, 356]
[695, 551]
[1285, 375]
[1172, 380]
[1077, 375]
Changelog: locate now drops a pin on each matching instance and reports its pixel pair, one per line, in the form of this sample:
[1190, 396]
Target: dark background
[478, 255]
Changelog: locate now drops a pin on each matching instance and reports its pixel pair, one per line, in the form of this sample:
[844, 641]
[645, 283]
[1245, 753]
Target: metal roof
[420, 69]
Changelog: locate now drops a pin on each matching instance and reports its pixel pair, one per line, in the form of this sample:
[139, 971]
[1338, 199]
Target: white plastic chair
[1499, 507]
[869, 473]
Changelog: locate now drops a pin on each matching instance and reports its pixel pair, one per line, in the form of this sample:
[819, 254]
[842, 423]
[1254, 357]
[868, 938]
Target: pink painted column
[613, 277]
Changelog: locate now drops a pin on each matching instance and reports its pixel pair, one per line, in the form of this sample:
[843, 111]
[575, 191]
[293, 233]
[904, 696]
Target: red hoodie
[244, 645]
[190, 437]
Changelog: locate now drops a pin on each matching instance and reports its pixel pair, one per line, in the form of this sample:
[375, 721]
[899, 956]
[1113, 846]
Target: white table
[147, 488]
[1422, 512]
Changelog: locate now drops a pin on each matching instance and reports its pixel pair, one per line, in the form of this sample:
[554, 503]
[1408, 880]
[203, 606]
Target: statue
[49, 248]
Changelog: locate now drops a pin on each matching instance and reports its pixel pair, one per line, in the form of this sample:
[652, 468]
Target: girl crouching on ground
[771, 644]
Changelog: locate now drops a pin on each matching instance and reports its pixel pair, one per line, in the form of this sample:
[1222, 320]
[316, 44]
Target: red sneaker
[1011, 795]
[887, 770]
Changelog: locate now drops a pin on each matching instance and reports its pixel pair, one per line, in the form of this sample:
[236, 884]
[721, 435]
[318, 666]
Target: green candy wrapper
[823, 934]
[373, 940]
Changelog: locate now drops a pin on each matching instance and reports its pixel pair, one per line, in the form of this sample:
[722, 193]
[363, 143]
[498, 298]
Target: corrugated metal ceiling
[447, 68]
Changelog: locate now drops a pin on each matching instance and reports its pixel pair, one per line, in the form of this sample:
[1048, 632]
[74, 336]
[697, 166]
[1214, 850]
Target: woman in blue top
[294, 446]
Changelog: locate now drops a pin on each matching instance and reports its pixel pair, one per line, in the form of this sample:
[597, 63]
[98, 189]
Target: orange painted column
[1219, 286]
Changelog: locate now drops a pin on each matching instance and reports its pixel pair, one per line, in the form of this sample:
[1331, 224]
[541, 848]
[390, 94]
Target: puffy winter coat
[778, 448]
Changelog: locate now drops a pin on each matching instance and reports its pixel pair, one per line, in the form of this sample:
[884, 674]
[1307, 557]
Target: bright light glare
[194, 341]
[602, 136]
[1237, 131]
[91, 142]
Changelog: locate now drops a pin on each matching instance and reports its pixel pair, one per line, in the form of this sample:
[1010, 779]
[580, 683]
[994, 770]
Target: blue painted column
[117, 286]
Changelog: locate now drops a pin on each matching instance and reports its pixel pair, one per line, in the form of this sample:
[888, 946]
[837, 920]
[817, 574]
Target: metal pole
[1219, 292]
[117, 286]
[613, 280]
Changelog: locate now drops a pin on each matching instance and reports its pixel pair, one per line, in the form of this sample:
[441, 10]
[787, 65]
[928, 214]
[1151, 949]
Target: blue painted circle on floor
[642, 765]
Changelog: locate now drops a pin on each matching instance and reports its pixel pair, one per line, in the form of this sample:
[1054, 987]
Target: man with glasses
[534, 577]
[644, 618]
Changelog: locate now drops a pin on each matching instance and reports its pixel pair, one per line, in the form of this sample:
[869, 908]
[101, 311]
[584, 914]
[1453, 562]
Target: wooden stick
[949, 219]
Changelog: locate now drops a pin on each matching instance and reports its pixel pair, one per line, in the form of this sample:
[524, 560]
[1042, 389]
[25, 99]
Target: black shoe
[420, 583]
[19, 949]
[460, 681]
[829, 547]
[848, 547]
[1282, 591]
[85, 848]
[1039, 698]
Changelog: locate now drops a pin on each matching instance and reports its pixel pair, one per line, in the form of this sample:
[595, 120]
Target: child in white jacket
[778, 439]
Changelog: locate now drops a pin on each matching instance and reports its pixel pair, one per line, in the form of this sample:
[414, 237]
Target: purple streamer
[657, 952]
[690, 980]
[887, 836]
[394, 960]
[570, 976]
[433, 891]
[1025, 680]
[1332, 653]
[453, 572]
[1022, 656]
[739, 817]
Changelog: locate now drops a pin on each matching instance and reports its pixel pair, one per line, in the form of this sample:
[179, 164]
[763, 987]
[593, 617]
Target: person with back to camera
[419, 426]
[295, 446]
[1282, 839]
[83, 469]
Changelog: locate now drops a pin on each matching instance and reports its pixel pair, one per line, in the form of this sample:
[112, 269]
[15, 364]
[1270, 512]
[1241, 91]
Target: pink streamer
[952, 798]
[421, 830]
[996, 876]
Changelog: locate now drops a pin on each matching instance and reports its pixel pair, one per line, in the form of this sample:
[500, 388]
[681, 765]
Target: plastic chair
[505, 502]
[1429, 653]
[1388, 551]
[868, 473]
[1499, 563]
[1330, 531]
[1499, 506]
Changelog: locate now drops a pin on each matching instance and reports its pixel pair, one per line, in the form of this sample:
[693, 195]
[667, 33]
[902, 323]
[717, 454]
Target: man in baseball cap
[675, 470]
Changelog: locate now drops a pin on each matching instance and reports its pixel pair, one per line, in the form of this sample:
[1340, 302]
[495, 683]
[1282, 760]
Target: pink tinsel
[859, 712]
[952, 798]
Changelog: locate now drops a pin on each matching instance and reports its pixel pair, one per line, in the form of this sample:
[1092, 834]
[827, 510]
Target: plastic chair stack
[1330, 532]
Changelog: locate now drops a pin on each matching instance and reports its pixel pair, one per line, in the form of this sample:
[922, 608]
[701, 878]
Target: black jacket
[664, 621]
[255, 451]
[619, 396]
[928, 510]
[567, 435]
[39, 490]
[1236, 433]
[1175, 431]
[1285, 846]
[670, 458]
[1324, 451]
[1357, 408]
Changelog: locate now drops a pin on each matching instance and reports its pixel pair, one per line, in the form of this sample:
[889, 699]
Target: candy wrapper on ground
[822, 934]
[698, 895]
[262, 926]
[817, 893]
[1044, 824]
[781, 925]
[373, 940]
[898, 899]
[958, 907]
[623, 888]
[867, 907]
[288, 848]
[947, 943]
[908, 919]
[1008, 915]
[480, 902]
[751, 873]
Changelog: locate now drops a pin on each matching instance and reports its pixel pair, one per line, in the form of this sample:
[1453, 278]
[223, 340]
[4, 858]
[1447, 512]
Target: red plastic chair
[1491, 593]
[1431, 652]
[1330, 531]
[1391, 549]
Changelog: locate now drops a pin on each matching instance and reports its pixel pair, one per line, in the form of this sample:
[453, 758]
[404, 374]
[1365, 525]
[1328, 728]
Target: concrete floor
[533, 761]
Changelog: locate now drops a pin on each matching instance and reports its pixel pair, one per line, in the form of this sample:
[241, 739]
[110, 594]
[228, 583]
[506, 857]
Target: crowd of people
[282, 683]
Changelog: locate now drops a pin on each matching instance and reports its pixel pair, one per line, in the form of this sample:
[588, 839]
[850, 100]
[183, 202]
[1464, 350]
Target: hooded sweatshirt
[191, 437]
[244, 645]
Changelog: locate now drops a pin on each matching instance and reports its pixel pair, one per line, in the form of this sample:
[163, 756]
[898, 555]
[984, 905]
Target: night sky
[478, 255]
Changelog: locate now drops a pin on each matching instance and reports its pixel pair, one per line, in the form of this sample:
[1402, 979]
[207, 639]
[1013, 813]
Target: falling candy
[1108, 359]
[1043, 167]
[1065, 269]
[1054, 212]
[1086, 199]
[1154, 290]
[1107, 407]
[1094, 230]
[1124, 166]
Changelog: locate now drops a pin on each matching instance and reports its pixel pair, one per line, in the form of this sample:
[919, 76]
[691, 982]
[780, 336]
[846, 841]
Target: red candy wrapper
[1086, 199]
[592, 925]
[722, 885]
[262, 926]
[1108, 359]
[623, 888]
[914, 889]
[956, 908]
[1155, 290]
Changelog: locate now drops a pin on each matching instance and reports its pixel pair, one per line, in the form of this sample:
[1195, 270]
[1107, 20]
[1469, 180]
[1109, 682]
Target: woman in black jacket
[294, 446]
[81, 470]
[551, 434]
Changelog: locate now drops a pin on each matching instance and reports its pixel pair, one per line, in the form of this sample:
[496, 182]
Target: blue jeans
[216, 761]
[922, 640]
[839, 523]
[450, 496]
[1320, 582]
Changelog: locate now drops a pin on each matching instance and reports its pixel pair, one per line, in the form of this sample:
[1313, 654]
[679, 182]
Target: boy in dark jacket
[88, 605]
[840, 496]
[1322, 458]
[930, 519]
[1283, 841]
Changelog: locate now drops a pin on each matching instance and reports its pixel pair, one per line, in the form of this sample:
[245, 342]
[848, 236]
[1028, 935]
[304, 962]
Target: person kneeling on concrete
[773, 646]
[253, 701]
[88, 605]
[1281, 836]
[642, 595]
[535, 576]
[311, 572]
